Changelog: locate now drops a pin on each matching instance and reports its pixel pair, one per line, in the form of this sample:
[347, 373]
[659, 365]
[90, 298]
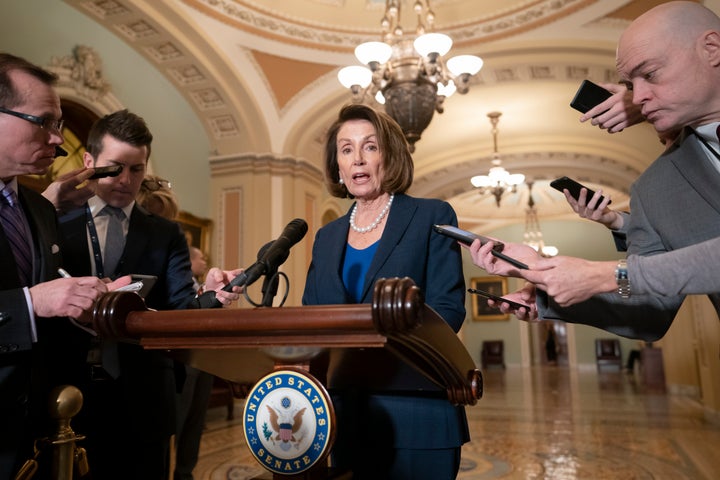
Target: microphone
[270, 258]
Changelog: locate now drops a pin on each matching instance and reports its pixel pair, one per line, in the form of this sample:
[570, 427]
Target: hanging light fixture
[408, 73]
[533, 236]
[498, 180]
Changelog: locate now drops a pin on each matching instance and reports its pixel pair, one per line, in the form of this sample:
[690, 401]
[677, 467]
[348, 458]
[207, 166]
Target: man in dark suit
[31, 295]
[130, 392]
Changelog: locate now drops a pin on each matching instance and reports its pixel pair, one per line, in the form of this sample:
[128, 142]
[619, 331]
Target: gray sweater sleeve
[688, 270]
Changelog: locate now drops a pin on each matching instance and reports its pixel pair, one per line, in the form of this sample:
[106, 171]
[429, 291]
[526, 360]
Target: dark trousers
[192, 407]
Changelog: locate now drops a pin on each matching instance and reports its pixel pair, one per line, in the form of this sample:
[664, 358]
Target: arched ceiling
[261, 74]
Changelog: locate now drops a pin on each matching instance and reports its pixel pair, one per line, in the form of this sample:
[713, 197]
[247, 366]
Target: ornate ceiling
[261, 74]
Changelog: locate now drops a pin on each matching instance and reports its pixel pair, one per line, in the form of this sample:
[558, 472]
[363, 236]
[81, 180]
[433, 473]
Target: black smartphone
[483, 293]
[468, 237]
[109, 171]
[574, 188]
[147, 283]
[588, 95]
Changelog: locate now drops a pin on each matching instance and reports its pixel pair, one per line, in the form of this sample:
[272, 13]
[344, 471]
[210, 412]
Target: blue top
[355, 267]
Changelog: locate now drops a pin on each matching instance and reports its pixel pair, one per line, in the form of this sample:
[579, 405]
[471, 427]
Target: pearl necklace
[374, 224]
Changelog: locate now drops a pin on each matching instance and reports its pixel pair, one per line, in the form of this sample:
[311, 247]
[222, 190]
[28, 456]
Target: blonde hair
[156, 196]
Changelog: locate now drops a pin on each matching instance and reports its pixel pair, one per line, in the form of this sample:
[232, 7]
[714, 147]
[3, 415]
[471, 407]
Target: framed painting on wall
[197, 230]
[481, 311]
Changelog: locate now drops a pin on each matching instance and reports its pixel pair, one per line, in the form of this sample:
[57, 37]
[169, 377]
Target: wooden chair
[492, 353]
[607, 354]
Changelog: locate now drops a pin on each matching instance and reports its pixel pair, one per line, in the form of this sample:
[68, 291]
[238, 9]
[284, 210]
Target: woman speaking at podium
[407, 430]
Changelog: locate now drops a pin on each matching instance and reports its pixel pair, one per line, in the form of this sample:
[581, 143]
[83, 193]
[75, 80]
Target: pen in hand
[63, 273]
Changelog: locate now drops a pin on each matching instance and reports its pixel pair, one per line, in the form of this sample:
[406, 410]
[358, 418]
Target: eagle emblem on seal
[286, 424]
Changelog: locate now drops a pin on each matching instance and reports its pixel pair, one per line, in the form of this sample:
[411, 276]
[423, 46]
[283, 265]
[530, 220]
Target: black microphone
[270, 257]
[273, 256]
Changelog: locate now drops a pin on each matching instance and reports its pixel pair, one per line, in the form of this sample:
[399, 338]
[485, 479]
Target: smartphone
[109, 171]
[468, 237]
[588, 95]
[483, 293]
[147, 282]
[574, 188]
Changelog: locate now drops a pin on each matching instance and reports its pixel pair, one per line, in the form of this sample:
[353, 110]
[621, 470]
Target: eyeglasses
[155, 185]
[46, 123]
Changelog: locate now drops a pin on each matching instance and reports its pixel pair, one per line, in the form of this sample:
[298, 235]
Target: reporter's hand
[117, 283]
[216, 279]
[483, 258]
[66, 297]
[525, 295]
[617, 112]
[64, 192]
[570, 280]
[594, 210]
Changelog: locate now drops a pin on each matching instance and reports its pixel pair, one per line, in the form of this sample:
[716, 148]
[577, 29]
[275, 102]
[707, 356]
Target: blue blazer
[408, 248]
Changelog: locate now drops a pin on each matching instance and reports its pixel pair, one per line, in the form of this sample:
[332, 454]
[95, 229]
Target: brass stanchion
[65, 402]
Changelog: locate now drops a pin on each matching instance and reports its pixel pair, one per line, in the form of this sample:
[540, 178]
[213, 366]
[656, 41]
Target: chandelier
[408, 73]
[498, 180]
[533, 237]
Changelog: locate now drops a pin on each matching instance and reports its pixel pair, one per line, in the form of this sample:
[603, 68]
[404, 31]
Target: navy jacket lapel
[42, 227]
[401, 213]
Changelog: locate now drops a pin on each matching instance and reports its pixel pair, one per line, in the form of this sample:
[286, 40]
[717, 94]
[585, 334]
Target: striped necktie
[114, 240]
[13, 223]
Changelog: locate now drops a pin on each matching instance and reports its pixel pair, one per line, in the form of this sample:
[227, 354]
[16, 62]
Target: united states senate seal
[288, 421]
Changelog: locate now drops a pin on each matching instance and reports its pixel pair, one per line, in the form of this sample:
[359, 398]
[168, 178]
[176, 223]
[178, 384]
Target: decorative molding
[207, 98]
[270, 23]
[187, 74]
[223, 126]
[263, 163]
[164, 52]
[81, 79]
[85, 71]
[138, 30]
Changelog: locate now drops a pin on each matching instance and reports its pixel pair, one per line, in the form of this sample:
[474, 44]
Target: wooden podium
[245, 345]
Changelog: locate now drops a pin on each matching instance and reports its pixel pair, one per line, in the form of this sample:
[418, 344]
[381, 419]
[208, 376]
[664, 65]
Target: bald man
[669, 58]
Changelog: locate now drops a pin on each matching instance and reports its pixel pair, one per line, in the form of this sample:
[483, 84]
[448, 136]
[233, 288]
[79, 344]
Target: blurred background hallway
[543, 422]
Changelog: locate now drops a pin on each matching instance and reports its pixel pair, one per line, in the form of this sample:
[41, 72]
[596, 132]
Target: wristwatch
[622, 279]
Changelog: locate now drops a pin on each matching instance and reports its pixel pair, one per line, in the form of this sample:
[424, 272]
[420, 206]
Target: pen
[63, 273]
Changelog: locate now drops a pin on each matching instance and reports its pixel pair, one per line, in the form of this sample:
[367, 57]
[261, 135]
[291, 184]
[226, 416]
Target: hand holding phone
[465, 237]
[574, 188]
[468, 238]
[109, 171]
[499, 300]
[588, 96]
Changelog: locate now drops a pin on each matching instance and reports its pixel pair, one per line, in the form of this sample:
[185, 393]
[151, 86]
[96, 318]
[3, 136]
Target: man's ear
[711, 47]
[88, 160]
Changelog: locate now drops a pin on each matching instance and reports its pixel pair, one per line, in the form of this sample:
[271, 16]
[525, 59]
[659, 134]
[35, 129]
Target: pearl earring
[341, 181]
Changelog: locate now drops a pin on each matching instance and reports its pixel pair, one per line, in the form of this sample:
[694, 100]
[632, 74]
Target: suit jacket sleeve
[15, 329]
[658, 199]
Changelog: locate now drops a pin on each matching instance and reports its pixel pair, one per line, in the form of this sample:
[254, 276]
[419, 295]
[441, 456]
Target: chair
[607, 354]
[492, 353]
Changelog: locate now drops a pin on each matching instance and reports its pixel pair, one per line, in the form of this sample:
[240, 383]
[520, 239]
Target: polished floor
[544, 423]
